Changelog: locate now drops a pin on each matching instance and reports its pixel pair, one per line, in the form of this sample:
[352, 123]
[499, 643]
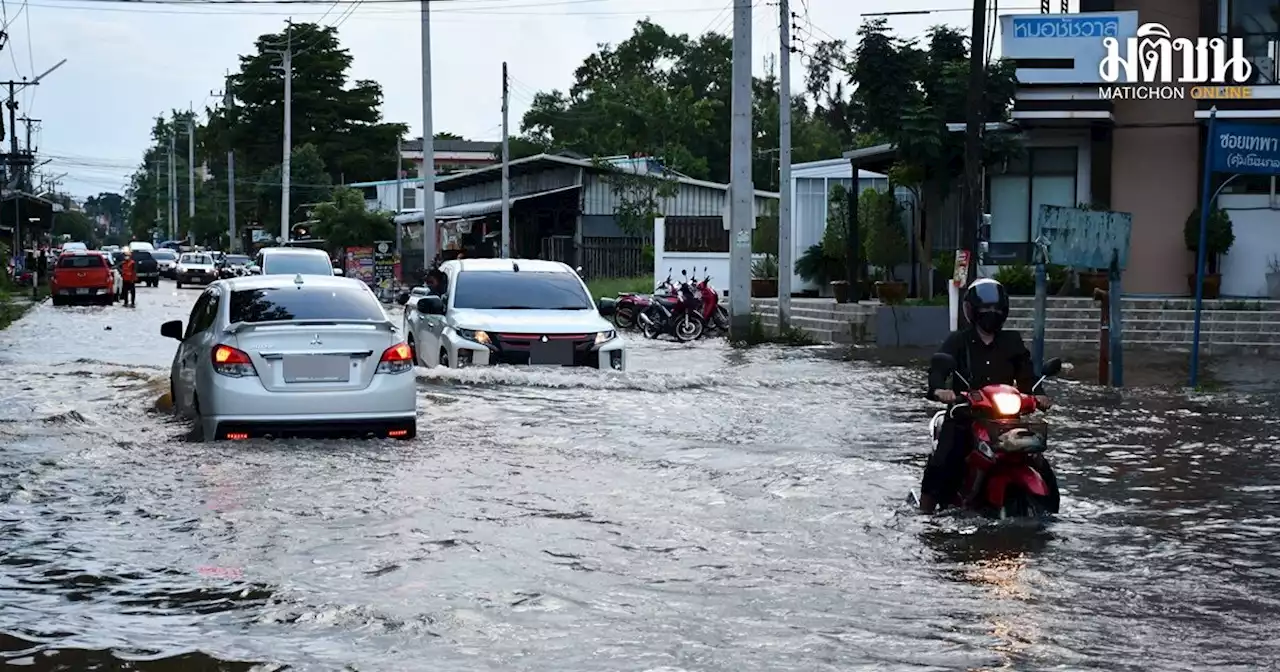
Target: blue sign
[1066, 26]
[1085, 239]
[1252, 149]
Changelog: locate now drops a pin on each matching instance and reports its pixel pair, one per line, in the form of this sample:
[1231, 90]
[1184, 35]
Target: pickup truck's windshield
[520, 290]
[196, 259]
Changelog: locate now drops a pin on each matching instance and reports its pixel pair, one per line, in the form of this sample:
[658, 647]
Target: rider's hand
[945, 396]
[1043, 403]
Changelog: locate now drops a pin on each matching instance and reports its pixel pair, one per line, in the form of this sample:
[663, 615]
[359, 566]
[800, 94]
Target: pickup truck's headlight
[481, 337]
[605, 337]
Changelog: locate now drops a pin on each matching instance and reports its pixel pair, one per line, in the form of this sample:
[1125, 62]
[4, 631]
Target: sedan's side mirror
[172, 329]
[338, 271]
[402, 298]
[1052, 367]
[431, 305]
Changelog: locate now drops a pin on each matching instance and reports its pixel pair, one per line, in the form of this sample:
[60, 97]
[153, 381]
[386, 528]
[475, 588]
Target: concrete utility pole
[785, 264]
[428, 146]
[399, 198]
[173, 186]
[506, 166]
[191, 176]
[156, 226]
[286, 168]
[972, 213]
[228, 101]
[741, 191]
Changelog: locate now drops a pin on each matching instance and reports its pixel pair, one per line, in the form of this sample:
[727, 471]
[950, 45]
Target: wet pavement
[712, 509]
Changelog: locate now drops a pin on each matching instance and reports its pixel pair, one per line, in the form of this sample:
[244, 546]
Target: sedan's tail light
[229, 361]
[397, 359]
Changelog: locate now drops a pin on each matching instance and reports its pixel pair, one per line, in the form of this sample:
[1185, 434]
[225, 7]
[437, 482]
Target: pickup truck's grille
[514, 348]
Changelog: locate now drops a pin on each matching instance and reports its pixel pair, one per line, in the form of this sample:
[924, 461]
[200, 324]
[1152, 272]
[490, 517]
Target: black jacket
[1005, 361]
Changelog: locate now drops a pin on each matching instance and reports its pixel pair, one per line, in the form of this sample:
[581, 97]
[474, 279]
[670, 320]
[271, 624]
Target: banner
[359, 264]
[384, 264]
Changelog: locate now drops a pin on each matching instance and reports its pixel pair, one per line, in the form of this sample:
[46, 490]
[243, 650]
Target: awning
[478, 208]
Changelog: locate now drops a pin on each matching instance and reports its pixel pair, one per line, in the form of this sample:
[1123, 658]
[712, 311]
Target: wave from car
[278, 356]
[510, 311]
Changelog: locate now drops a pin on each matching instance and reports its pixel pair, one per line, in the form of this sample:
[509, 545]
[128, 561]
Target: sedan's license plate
[551, 353]
[82, 290]
[317, 369]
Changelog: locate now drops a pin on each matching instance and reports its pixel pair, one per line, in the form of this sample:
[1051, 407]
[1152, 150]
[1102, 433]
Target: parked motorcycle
[629, 305]
[1001, 477]
[713, 312]
[677, 316]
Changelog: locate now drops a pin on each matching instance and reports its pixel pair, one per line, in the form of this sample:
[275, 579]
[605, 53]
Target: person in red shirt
[129, 276]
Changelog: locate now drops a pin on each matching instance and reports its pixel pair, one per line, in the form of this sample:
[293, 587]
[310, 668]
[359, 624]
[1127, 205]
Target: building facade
[1137, 146]
[452, 156]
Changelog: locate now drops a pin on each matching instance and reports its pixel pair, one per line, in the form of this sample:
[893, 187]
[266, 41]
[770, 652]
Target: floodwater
[712, 509]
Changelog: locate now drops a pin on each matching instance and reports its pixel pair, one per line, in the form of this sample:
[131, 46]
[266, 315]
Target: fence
[615, 258]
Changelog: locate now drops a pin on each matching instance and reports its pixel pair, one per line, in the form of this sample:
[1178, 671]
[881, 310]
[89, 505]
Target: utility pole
[173, 185]
[26, 181]
[741, 191]
[156, 226]
[286, 66]
[399, 198]
[191, 176]
[428, 146]
[506, 166]
[785, 265]
[972, 213]
[228, 101]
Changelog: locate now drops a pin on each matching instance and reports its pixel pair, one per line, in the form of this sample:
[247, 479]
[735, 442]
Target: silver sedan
[275, 355]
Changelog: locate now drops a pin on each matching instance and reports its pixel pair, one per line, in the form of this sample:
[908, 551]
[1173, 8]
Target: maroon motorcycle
[629, 305]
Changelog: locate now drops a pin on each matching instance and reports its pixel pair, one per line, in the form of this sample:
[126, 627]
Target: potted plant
[1219, 237]
[1273, 278]
[764, 277]
[887, 245]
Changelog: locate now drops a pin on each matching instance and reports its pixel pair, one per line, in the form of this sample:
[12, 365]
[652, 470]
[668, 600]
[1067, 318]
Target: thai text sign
[1143, 66]
[1071, 42]
[1245, 148]
[1085, 239]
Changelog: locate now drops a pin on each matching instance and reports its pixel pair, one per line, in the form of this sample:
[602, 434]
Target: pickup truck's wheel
[179, 284]
[413, 350]
[444, 358]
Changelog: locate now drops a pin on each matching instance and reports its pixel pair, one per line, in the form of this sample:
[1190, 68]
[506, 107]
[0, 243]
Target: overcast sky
[128, 63]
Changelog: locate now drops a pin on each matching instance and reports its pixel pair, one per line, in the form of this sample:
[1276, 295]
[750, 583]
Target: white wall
[1257, 228]
[715, 263]
[387, 197]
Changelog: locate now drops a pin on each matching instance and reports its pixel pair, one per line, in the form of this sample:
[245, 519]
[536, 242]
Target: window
[304, 303]
[86, 261]
[410, 199]
[1045, 176]
[811, 206]
[293, 264]
[196, 259]
[203, 314]
[520, 290]
[1256, 22]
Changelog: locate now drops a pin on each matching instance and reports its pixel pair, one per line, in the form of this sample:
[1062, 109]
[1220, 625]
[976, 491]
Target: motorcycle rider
[985, 354]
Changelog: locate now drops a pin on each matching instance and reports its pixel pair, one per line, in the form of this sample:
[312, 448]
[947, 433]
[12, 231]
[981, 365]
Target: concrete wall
[911, 326]
[715, 263]
[1257, 228]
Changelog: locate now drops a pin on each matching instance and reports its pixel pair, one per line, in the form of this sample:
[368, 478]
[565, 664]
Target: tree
[640, 196]
[75, 224]
[344, 221]
[108, 204]
[308, 184]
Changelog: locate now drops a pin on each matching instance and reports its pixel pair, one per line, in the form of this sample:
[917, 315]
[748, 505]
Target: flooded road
[710, 510]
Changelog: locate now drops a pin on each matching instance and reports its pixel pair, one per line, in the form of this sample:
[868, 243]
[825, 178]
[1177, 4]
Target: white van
[71, 247]
[139, 245]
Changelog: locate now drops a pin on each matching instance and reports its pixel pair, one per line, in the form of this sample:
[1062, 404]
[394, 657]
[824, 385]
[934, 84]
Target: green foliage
[647, 255]
[308, 183]
[945, 264]
[640, 196]
[834, 236]
[1019, 280]
[886, 240]
[765, 268]
[818, 267]
[1219, 235]
[610, 287]
[75, 224]
[764, 238]
[344, 221]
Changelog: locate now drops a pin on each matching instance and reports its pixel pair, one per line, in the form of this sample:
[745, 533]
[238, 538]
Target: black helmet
[986, 305]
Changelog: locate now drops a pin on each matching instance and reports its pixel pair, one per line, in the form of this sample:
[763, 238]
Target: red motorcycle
[678, 316]
[714, 314]
[1002, 476]
[628, 306]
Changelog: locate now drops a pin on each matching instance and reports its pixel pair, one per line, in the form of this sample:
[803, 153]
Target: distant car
[279, 356]
[139, 245]
[234, 266]
[114, 259]
[292, 261]
[71, 247]
[195, 268]
[81, 275]
[146, 266]
[511, 311]
[167, 261]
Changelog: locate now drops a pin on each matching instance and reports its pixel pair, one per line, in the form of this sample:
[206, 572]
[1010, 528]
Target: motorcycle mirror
[1051, 368]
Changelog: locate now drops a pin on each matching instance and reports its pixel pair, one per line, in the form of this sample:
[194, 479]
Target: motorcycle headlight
[481, 337]
[1007, 403]
[605, 336]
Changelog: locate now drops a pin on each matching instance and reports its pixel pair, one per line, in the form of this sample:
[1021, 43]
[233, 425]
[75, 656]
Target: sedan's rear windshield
[293, 264]
[304, 303]
[86, 261]
[520, 290]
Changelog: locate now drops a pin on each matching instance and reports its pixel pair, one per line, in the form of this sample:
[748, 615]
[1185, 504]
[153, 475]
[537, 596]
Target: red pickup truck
[82, 275]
